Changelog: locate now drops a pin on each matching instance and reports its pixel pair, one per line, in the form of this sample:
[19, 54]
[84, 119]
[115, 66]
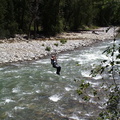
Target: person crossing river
[55, 64]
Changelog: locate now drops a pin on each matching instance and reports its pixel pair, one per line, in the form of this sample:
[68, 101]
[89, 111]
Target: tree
[107, 12]
[55, 16]
[79, 13]
[33, 10]
[11, 25]
[22, 15]
[52, 16]
[2, 16]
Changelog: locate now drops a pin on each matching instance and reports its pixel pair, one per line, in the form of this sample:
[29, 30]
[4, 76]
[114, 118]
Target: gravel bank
[36, 49]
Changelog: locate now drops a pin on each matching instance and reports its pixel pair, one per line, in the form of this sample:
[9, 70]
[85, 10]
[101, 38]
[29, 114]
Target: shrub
[63, 41]
[43, 44]
[48, 48]
[56, 44]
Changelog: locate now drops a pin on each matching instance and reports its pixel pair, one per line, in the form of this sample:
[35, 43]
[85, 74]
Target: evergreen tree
[55, 16]
[10, 24]
[79, 13]
[52, 16]
[108, 12]
[22, 15]
[2, 16]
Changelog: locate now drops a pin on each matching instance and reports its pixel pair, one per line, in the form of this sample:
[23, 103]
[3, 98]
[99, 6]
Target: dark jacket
[54, 63]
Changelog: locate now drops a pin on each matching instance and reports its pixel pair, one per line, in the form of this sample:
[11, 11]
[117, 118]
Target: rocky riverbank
[23, 50]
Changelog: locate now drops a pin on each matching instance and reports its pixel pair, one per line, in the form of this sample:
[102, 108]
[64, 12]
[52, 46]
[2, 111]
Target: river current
[33, 90]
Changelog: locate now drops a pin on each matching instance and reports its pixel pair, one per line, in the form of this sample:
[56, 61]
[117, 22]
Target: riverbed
[18, 50]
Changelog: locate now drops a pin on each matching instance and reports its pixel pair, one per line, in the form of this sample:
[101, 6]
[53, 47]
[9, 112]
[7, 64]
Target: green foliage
[108, 12]
[78, 64]
[48, 48]
[52, 16]
[83, 90]
[55, 16]
[2, 17]
[112, 66]
[112, 90]
[43, 44]
[78, 13]
[63, 41]
[10, 24]
[56, 44]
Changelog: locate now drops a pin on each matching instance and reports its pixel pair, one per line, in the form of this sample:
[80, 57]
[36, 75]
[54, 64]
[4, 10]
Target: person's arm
[52, 61]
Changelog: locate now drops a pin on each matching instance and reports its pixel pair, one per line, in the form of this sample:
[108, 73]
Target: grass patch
[56, 44]
[48, 48]
[63, 41]
[88, 27]
[43, 44]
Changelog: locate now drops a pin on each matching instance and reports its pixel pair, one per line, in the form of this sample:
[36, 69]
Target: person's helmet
[52, 55]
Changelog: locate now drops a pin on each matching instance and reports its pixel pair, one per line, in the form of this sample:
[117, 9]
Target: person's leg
[58, 70]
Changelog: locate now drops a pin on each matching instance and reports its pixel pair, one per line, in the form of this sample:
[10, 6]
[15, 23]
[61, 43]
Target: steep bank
[36, 49]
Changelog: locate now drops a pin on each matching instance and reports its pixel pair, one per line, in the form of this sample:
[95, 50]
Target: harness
[54, 63]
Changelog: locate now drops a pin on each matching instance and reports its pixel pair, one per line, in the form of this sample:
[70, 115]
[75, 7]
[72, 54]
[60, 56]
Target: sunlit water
[32, 90]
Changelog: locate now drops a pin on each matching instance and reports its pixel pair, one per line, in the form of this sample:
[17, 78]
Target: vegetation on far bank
[49, 17]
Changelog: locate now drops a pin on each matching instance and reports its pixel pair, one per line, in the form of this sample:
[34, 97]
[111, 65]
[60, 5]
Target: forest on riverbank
[50, 17]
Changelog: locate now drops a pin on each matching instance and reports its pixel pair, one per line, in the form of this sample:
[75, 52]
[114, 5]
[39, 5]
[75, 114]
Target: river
[33, 90]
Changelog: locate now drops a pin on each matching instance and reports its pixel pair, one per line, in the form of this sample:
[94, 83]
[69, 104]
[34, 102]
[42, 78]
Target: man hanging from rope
[55, 64]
